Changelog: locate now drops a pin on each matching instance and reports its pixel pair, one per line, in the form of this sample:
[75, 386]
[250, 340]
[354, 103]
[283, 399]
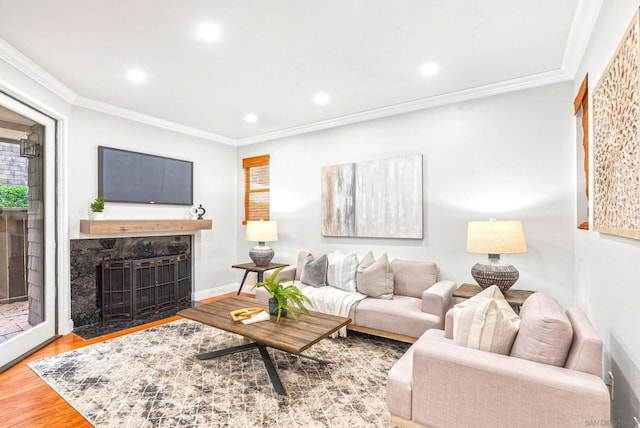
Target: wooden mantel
[136, 226]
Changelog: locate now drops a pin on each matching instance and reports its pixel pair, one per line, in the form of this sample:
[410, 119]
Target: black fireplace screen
[131, 288]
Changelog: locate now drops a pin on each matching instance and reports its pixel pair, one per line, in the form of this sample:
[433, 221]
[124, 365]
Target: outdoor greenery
[14, 196]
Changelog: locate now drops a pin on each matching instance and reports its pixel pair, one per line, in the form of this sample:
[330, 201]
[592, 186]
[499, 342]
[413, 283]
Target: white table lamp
[495, 237]
[261, 231]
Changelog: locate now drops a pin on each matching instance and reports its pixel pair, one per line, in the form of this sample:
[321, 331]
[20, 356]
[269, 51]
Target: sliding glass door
[27, 230]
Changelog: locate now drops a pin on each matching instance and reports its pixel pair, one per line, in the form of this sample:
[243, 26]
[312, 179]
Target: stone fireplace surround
[87, 254]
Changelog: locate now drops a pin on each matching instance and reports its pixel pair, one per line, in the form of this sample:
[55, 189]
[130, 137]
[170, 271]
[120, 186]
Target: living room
[510, 154]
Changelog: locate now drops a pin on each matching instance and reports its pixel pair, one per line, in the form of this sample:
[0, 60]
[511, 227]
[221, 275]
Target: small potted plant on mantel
[284, 298]
[97, 208]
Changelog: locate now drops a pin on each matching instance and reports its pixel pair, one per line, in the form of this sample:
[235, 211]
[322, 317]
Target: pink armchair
[439, 384]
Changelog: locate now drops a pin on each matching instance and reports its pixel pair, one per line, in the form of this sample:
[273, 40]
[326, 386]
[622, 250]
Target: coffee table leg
[266, 358]
[271, 369]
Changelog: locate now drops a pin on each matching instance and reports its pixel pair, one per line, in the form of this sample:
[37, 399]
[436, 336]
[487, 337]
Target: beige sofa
[439, 384]
[419, 302]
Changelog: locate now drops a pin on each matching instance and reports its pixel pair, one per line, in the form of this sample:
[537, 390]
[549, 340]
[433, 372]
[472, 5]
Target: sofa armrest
[455, 386]
[287, 272]
[438, 298]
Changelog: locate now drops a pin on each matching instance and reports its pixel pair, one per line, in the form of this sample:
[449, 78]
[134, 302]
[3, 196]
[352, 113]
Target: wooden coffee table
[288, 335]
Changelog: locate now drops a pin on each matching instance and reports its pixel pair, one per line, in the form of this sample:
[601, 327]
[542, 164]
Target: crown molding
[15, 58]
[584, 21]
[110, 109]
[581, 28]
[507, 86]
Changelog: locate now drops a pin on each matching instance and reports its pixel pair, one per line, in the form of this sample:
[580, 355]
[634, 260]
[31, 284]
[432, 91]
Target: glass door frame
[56, 299]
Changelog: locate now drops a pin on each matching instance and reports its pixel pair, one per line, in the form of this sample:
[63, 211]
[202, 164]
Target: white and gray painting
[378, 198]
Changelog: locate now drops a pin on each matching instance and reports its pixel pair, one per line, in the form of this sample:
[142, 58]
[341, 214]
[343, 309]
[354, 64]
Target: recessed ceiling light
[430, 69]
[136, 75]
[321, 98]
[250, 118]
[208, 32]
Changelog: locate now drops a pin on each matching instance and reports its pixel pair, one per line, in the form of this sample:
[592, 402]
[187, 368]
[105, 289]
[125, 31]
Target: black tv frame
[111, 192]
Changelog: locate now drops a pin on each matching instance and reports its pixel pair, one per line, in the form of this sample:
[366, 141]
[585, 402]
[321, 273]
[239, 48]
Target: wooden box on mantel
[135, 226]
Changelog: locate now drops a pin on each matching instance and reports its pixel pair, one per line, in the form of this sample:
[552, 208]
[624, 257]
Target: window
[256, 188]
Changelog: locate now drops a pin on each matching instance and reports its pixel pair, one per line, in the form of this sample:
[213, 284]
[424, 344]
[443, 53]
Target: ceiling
[272, 56]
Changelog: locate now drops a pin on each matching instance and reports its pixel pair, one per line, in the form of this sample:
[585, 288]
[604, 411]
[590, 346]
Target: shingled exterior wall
[13, 168]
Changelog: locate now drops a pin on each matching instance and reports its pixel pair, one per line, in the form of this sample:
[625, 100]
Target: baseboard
[216, 291]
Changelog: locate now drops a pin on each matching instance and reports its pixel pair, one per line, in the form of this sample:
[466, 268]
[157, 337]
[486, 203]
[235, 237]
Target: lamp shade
[262, 231]
[496, 237]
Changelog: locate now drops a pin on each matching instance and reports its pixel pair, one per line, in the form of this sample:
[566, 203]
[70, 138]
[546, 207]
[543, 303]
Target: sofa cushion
[341, 272]
[303, 258]
[315, 272]
[400, 315]
[374, 277]
[485, 322]
[411, 278]
[545, 331]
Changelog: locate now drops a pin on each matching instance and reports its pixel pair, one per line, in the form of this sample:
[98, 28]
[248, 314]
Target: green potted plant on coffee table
[284, 297]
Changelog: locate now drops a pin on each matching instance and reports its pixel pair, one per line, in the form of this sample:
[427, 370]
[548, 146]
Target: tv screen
[125, 176]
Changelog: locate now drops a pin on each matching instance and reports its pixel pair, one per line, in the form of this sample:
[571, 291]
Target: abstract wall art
[376, 198]
[616, 156]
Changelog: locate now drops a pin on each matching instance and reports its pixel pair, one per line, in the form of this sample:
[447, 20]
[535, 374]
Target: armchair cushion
[545, 331]
[485, 322]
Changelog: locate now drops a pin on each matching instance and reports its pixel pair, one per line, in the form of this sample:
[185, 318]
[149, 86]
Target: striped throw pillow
[342, 270]
[485, 322]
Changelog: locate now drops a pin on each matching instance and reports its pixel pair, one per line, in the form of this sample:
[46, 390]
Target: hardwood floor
[27, 401]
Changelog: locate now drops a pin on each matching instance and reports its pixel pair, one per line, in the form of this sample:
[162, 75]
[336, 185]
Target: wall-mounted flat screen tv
[125, 176]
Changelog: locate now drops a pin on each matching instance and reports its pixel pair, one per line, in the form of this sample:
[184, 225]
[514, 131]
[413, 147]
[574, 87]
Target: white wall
[507, 156]
[607, 268]
[82, 131]
[215, 170]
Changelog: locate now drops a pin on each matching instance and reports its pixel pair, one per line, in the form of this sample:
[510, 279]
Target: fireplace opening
[129, 289]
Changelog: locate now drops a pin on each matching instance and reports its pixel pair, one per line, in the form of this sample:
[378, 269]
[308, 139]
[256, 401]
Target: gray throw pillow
[315, 272]
[375, 277]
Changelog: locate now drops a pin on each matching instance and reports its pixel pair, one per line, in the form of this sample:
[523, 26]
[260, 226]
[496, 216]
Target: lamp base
[495, 271]
[261, 255]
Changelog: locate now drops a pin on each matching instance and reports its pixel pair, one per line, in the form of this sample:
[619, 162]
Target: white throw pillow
[485, 322]
[342, 270]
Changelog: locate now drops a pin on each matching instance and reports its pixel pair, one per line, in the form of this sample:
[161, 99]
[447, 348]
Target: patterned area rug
[152, 379]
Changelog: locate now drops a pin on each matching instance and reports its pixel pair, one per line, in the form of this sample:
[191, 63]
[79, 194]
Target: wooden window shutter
[256, 188]
[582, 102]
